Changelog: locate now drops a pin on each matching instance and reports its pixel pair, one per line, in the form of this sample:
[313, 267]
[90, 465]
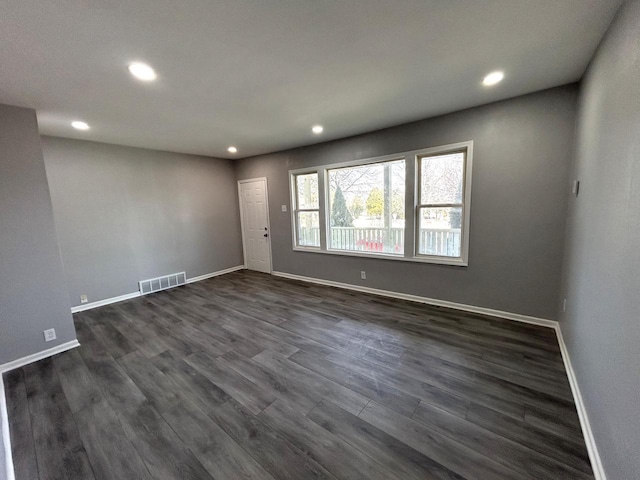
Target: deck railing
[433, 241]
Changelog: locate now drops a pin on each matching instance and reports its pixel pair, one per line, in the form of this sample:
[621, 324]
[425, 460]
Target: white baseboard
[430, 301]
[34, 357]
[215, 274]
[106, 301]
[589, 440]
[128, 296]
[7, 469]
[592, 449]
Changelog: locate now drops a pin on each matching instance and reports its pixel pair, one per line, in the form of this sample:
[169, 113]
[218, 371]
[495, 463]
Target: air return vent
[162, 283]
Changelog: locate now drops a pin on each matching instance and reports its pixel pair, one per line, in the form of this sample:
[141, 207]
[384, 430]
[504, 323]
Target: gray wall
[602, 275]
[126, 214]
[522, 157]
[33, 296]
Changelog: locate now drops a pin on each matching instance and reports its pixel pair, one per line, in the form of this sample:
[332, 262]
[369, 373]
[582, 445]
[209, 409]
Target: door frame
[266, 195]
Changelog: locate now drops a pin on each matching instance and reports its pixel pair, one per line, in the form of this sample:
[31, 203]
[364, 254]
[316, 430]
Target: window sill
[456, 262]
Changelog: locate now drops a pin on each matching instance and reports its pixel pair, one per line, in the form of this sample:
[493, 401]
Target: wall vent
[162, 283]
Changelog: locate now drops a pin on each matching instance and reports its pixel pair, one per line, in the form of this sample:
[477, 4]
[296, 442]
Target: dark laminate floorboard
[164, 454]
[273, 331]
[397, 456]
[142, 308]
[59, 450]
[347, 343]
[313, 383]
[191, 383]
[110, 452]
[492, 445]
[480, 382]
[564, 450]
[159, 390]
[119, 390]
[249, 376]
[337, 456]
[563, 423]
[366, 386]
[275, 384]
[145, 340]
[171, 337]
[197, 340]
[454, 404]
[230, 340]
[453, 455]
[265, 341]
[537, 378]
[269, 447]
[451, 384]
[103, 322]
[214, 448]
[77, 382]
[23, 450]
[166, 302]
[245, 392]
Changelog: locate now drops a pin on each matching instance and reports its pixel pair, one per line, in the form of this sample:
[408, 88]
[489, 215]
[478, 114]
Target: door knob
[266, 235]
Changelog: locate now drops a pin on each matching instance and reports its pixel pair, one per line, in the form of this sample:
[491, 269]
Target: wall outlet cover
[50, 335]
[284, 208]
[83, 299]
[363, 275]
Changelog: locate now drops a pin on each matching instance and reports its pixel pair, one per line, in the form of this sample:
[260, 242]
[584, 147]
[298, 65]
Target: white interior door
[254, 214]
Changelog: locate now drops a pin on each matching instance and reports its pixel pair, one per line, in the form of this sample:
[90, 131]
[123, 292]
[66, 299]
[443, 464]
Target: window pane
[307, 191]
[366, 208]
[308, 229]
[442, 177]
[440, 232]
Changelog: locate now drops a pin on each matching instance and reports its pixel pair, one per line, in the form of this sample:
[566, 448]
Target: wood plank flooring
[249, 376]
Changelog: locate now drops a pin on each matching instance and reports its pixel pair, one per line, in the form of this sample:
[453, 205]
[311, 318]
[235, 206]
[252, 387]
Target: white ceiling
[259, 73]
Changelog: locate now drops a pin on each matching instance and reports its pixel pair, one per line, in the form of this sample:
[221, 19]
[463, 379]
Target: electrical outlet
[363, 275]
[49, 334]
[284, 208]
[83, 299]
[564, 305]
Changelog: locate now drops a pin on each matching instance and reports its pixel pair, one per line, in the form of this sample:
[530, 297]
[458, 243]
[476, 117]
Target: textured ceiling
[258, 74]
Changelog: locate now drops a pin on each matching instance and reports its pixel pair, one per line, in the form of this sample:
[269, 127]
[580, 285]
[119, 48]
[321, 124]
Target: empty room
[320, 239]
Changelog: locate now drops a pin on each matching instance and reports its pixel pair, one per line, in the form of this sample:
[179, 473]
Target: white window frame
[467, 149]
[295, 210]
[412, 195]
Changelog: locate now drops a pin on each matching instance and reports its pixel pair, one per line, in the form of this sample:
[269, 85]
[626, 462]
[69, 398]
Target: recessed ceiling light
[493, 78]
[142, 71]
[232, 150]
[317, 129]
[78, 125]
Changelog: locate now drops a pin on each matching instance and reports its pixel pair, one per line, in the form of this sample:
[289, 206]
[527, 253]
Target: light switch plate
[284, 208]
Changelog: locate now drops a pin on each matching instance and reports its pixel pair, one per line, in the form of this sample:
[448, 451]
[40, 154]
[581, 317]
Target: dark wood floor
[247, 376]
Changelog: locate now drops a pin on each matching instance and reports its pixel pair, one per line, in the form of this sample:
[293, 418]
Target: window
[366, 208]
[440, 206]
[412, 206]
[307, 210]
